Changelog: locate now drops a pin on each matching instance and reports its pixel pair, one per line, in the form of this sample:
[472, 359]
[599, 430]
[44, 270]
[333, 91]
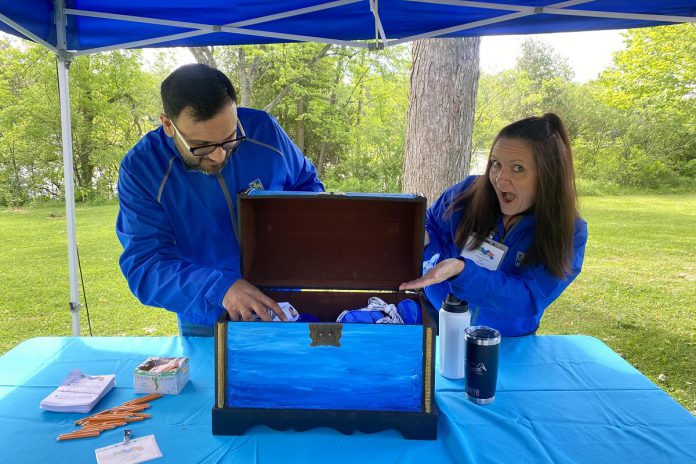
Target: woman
[510, 241]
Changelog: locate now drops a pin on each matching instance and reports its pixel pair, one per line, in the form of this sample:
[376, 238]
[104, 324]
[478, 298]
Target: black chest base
[412, 426]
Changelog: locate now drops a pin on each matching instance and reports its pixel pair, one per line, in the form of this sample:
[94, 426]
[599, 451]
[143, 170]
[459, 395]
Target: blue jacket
[176, 224]
[511, 299]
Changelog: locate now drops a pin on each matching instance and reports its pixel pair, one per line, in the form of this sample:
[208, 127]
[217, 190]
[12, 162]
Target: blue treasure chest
[325, 254]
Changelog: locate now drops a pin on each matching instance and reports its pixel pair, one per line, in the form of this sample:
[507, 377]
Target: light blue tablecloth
[560, 399]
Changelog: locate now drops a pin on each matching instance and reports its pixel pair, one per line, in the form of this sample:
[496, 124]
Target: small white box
[161, 375]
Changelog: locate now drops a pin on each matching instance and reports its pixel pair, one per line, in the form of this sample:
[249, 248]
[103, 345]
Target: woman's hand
[438, 273]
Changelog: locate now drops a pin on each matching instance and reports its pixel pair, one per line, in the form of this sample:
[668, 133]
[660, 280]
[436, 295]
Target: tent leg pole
[66, 129]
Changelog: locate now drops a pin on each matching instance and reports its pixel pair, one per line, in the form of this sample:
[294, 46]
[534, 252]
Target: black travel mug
[482, 353]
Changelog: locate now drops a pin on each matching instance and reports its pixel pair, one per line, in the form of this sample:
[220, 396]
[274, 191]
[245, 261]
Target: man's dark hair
[201, 88]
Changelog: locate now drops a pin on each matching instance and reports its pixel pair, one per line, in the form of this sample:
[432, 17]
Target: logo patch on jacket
[519, 259]
[256, 184]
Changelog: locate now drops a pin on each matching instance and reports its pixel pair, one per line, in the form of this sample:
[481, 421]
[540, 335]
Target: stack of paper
[78, 393]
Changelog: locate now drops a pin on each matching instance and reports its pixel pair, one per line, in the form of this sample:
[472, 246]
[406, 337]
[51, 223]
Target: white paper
[133, 451]
[289, 310]
[78, 393]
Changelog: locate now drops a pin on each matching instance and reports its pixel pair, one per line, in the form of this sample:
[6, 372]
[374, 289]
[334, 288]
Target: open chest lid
[331, 241]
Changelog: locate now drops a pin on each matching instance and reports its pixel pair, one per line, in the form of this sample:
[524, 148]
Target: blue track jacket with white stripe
[176, 225]
[511, 299]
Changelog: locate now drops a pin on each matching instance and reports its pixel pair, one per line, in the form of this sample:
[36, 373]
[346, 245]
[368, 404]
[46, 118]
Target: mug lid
[482, 335]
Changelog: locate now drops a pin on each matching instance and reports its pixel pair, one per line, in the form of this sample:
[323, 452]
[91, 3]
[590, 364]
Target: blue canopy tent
[79, 27]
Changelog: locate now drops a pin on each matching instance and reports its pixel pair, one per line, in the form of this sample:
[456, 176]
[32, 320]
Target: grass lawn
[637, 291]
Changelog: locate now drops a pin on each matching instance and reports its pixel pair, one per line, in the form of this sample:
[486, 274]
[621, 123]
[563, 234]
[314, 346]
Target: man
[177, 189]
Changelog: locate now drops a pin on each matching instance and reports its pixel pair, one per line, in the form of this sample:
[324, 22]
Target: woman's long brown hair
[556, 205]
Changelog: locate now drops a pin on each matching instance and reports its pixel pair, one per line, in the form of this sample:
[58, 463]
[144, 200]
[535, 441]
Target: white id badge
[488, 255]
[131, 451]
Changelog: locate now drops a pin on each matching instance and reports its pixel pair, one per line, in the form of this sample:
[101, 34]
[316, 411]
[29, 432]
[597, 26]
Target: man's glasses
[204, 150]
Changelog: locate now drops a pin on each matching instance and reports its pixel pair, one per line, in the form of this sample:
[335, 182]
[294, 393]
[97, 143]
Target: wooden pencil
[78, 434]
[108, 419]
[143, 399]
[131, 408]
[99, 427]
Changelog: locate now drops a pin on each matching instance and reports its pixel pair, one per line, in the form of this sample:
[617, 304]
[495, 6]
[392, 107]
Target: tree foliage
[651, 94]
[29, 126]
[344, 107]
[634, 126]
[111, 107]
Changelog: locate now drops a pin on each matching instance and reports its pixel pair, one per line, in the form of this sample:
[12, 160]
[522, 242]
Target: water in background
[478, 162]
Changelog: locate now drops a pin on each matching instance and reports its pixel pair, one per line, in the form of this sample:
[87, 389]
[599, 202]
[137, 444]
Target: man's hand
[438, 273]
[242, 300]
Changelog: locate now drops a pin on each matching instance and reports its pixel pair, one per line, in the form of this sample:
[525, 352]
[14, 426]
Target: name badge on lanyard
[488, 255]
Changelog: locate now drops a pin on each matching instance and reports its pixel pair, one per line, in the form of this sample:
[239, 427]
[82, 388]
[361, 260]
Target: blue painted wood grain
[378, 367]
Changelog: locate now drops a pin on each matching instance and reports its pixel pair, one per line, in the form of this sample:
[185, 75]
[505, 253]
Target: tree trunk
[247, 76]
[325, 144]
[204, 55]
[442, 100]
[322, 159]
[300, 124]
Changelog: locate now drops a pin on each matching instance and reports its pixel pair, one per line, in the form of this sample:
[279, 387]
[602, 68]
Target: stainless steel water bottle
[454, 318]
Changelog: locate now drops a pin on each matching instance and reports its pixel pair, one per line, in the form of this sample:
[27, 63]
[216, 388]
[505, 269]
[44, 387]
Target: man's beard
[194, 163]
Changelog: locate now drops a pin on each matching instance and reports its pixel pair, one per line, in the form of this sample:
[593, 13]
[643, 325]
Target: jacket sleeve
[301, 173]
[524, 295]
[437, 227]
[155, 272]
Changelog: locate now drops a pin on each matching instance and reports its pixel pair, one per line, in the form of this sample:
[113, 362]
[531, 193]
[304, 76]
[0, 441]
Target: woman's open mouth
[507, 197]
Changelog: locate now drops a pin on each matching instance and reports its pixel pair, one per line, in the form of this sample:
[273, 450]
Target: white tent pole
[496, 6]
[140, 43]
[612, 15]
[27, 33]
[247, 22]
[291, 13]
[461, 27]
[209, 28]
[378, 22]
[561, 10]
[483, 22]
[301, 38]
[66, 129]
[63, 63]
[200, 31]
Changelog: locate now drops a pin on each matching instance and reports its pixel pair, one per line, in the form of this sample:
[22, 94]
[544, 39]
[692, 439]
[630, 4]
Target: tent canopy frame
[64, 56]
[242, 27]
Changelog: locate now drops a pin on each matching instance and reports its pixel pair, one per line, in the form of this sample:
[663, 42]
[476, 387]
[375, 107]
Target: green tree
[541, 63]
[344, 107]
[539, 83]
[653, 85]
[112, 104]
[375, 97]
[30, 163]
